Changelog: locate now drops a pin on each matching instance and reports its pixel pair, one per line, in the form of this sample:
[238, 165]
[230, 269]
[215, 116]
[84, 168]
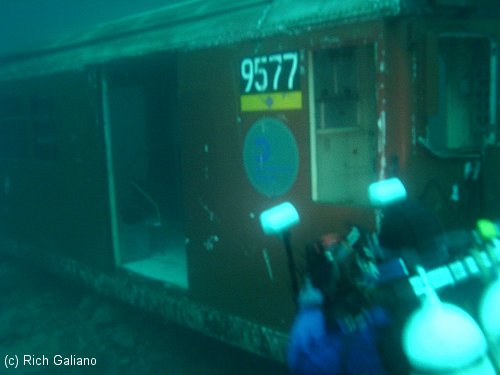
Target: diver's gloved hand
[309, 296]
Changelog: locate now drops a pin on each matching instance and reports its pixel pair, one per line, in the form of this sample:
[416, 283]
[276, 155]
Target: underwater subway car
[137, 157]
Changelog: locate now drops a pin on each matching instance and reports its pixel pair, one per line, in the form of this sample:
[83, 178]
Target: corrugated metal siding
[192, 24]
[290, 13]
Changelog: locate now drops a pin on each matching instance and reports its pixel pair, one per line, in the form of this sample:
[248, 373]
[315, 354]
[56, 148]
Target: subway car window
[44, 129]
[343, 123]
[14, 124]
[466, 95]
[28, 129]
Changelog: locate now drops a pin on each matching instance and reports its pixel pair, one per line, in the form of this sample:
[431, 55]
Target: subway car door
[144, 168]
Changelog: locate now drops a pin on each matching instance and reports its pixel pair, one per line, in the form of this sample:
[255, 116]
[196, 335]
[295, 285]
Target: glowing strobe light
[386, 192]
[279, 218]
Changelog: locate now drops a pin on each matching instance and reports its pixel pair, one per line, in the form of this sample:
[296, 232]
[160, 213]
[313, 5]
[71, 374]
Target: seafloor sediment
[51, 326]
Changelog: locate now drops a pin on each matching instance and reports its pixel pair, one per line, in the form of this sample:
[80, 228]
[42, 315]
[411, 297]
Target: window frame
[431, 141]
[364, 126]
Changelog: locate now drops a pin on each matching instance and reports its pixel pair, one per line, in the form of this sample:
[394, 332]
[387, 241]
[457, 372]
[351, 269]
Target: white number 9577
[264, 73]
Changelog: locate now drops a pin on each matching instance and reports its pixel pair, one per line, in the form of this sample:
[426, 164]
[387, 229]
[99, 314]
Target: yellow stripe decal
[271, 101]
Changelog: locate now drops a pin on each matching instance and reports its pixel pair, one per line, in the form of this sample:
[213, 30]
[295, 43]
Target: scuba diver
[337, 330]
[343, 325]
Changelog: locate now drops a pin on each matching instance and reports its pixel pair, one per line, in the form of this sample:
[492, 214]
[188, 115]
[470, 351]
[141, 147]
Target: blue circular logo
[271, 157]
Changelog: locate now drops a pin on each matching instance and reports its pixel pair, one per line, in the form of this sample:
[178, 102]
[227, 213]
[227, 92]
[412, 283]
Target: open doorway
[144, 150]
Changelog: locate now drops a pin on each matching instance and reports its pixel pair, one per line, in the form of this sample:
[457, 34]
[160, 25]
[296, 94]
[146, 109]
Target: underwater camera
[340, 267]
[357, 262]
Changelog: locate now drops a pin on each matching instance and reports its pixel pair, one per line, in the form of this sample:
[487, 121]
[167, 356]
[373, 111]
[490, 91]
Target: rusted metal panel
[232, 264]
